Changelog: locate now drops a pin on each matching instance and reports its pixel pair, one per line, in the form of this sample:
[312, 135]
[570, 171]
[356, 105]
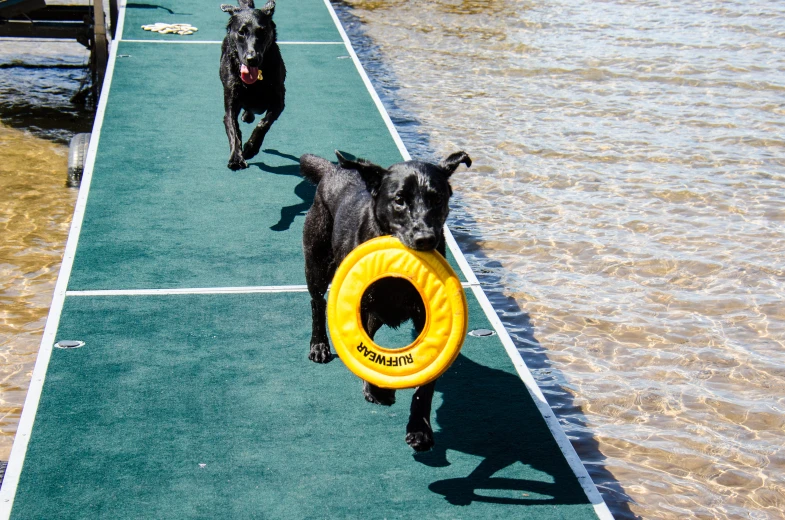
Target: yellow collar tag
[260, 78]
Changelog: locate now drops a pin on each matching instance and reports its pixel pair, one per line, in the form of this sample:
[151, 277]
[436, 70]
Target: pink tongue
[249, 74]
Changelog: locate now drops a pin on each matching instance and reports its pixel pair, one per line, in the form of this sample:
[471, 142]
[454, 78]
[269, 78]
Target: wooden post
[114, 13]
[100, 47]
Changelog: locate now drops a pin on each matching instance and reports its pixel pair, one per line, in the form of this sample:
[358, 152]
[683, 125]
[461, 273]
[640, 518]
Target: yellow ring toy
[446, 311]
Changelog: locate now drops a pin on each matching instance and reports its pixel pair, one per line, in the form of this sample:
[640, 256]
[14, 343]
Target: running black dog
[356, 201]
[253, 73]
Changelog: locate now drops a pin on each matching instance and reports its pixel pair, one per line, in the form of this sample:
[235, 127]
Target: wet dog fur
[356, 201]
[251, 41]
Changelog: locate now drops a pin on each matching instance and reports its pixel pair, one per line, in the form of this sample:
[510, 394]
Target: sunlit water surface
[626, 211]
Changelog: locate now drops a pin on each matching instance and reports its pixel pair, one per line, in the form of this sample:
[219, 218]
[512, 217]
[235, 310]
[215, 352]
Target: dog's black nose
[250, 58]
[424, 241]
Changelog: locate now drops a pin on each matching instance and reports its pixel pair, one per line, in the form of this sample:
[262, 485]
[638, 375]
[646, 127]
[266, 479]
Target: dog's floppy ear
[228, 8]
[451, 163]
[269, 8]
[371, 173]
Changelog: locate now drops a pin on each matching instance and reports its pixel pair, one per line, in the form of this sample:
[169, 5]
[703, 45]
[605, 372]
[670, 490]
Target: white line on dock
[218, 42]
[310, 43]
[251, 289]
[195, 290]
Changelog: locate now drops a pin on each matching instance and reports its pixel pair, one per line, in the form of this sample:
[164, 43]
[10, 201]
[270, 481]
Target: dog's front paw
[236, 162]
[320, 353]
[374, 394]
[419, 436]
[247, 116]
[249, 150]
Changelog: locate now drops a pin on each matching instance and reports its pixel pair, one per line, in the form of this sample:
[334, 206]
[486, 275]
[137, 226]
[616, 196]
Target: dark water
[626, 211]
[37, 81]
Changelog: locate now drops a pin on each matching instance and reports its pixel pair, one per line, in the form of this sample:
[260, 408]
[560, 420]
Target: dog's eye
[399, 200]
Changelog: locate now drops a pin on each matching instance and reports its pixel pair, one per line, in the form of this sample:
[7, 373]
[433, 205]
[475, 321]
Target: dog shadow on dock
[488, 413]
[140, 5]
[304, 189]
[143, 5]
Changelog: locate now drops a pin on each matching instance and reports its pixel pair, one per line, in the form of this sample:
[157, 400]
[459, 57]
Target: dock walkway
[193, 395]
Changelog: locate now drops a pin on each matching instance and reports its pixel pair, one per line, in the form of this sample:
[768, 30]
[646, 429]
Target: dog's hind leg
[254, 143]
[419, 434]
[372, 393]
[319, 269]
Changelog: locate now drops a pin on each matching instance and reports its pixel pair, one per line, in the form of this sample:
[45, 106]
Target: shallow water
[626, 211]
[37, 120]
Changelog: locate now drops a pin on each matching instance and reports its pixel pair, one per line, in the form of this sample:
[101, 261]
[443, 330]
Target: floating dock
[193, 395]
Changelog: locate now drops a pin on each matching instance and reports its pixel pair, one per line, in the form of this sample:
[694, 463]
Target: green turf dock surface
[193, 396]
